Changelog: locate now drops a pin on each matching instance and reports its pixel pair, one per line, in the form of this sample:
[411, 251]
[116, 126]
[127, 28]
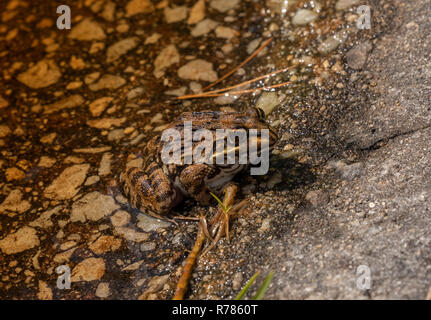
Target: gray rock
[357, 56]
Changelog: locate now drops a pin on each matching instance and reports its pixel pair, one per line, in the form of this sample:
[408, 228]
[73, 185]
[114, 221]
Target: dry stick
[205, 94]
[232, 93]
[240, 65]
[183, 282]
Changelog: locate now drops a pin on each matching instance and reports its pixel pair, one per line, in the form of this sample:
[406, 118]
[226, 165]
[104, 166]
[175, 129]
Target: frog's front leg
[194, 179]
[150, 190]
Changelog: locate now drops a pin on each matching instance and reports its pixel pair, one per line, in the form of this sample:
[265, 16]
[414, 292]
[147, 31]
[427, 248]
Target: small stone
[23, 239]
[224, 5]
[42, 74]
[176, 92]
[108, 81]
[153, 38]
[4, 130]
[44, 220]
[156, 284]
[198, 70]
[90, 78]
[93, 206]
[148, 224]
[267, 102]
[103, 290]
[197, 12]
[303, 17]
[317, 198]
[105, 164]
[14, 203]
[332, 42]
[106, 123]
[203, 27]
[92, 180]
[108, 12]
[72, 101]
[252, 46]
[120, 218]
[135, 93]
[120, 48]
[237, 281]
[68, 183]
[3, 102]
[74, 85]
[46, 162]
[167, 57]
[77, 63]
[87, 30]
[99, 105]
[266, 224]
[45, 292]
[49, 138]
[357, 56]
[14, 174]
[131, 235]
[138, 6]
[88, 270]
[148, 246]
[345, 4]
[175, 14]
[105, 244]
[225, 32]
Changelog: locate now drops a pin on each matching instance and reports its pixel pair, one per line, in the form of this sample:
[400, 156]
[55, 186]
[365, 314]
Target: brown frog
[157, 187]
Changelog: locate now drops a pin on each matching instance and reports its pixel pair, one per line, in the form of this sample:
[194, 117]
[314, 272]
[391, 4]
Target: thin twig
[266, 42]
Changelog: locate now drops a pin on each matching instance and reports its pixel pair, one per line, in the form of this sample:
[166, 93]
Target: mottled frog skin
[156, 187]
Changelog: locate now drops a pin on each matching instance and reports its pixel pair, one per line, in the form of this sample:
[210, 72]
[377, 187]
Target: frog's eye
[257, 113]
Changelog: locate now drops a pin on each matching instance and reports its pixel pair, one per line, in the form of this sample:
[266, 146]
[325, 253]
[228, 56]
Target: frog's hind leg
[150, 190]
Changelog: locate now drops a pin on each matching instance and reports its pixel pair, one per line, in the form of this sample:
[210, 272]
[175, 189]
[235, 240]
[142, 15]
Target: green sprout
[262, 289]
[225, 209]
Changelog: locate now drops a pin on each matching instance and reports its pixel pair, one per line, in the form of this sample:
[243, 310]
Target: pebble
[120, 48]
[106, 123]
[45, 292]
[105, 244]
[303, 17]
[14, 203]
[24, 239]
[203, 27]
[70, 102]
[109, 11]
[87, 30]
[357, 56]
[108, 81]
[49, 138]
[148, 223]
[3, 103]
[103, 290]
[175, 14]
[41, 75]
[332, 42]
[267, 102]
[135, 7]
[198, 70]
[46, 162]
[68, 183]
[4, 131]
[167, 57]
[92, 180]
[224, 5]
[44, 220]
[89, 269]
[226, 32]
[90, 78]
[237, 281]
[120, 218]
[197, 12]
[153, 38]
[131, 235]
[317, 198]
[93, 206]
[116, 134]
[345, 4]
[99, 105]
[135, 93]
[105, 164]
[148, 246]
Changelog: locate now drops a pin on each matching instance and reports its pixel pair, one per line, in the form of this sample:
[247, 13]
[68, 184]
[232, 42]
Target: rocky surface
[349, 183]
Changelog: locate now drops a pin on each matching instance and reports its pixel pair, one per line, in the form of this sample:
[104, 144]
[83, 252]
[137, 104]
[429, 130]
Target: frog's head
[255, 119]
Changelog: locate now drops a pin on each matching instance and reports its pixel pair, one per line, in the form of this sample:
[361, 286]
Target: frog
[156, 187]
